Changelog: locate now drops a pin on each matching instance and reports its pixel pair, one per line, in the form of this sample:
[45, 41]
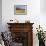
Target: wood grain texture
[23, 27]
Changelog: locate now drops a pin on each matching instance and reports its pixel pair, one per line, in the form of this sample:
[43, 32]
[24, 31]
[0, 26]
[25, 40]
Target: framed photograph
[20, 9]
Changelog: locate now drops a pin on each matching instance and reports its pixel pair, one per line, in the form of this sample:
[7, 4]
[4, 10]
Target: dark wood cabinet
[22, 33]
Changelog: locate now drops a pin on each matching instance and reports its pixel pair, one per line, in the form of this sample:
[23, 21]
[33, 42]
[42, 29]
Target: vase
[41, 43]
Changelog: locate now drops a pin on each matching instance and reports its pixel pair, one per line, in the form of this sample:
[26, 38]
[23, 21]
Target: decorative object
[7, 38]
[1, 40]
[41, 36]
[27, 21]
[20, 9]
[13, 21]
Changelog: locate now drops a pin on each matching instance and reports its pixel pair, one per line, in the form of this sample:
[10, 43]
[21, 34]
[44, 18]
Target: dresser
[22, 33]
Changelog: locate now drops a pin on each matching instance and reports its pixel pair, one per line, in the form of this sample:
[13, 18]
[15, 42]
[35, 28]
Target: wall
[33, 11]
[0, 15]
[34, 14]
[43, 14]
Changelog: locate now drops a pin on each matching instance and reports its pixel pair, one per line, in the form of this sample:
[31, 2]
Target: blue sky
[21, 6]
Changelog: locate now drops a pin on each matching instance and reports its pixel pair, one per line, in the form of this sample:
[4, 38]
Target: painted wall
[0, 15]
[34, 14]
[33, 11]
[43, 14]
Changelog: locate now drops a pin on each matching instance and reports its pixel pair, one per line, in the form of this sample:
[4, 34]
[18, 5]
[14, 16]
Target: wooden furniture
[22, 33]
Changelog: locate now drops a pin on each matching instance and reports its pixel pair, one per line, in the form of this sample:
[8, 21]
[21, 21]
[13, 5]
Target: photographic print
[20, 9]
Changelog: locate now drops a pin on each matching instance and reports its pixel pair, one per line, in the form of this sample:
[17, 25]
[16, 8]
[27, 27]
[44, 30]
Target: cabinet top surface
[19, 23]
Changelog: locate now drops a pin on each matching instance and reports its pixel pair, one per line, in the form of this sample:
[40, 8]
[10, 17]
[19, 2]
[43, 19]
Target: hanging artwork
[20, 9]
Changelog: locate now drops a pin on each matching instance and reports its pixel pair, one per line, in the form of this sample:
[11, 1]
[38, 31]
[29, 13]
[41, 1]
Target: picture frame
[20, 9]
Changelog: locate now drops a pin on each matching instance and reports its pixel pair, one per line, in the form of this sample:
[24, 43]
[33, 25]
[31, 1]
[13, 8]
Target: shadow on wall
[43, 6]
